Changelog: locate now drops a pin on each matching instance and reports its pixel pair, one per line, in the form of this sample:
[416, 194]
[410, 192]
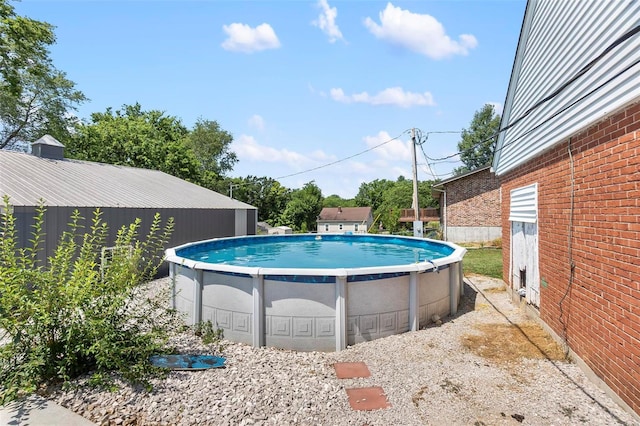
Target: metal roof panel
[27, 178]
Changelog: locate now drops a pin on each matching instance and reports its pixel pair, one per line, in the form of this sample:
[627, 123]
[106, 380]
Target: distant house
[345, 219]
[569, 168]
[470, 206]
[121, 193]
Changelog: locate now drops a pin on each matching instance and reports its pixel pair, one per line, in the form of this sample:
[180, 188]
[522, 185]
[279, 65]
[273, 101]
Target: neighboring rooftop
[26, 178]
[344, 214]
[460, 176]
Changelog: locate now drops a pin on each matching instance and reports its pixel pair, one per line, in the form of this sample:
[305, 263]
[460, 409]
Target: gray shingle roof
[346, 214]
[27, 178]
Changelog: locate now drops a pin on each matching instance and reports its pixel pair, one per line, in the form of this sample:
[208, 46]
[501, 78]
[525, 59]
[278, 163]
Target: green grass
[483, 261]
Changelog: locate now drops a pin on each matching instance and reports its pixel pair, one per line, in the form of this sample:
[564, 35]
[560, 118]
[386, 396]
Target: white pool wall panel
[227, 301]
[300, 316]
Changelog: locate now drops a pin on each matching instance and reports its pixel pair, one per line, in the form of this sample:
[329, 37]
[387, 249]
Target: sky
[324, 91]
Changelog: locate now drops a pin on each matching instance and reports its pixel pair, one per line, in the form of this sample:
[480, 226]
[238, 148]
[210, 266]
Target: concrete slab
[37, 411]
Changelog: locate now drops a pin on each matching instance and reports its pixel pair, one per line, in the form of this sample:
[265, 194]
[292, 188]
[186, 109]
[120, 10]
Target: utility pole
[415, 205]
[417, 223]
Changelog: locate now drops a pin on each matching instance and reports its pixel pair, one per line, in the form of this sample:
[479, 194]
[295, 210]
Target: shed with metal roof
[121, 193]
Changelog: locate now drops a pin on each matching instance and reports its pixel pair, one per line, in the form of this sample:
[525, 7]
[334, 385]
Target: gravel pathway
[462, 372]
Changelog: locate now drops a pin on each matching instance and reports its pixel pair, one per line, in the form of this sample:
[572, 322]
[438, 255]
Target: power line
[421, 143]
[343, 159]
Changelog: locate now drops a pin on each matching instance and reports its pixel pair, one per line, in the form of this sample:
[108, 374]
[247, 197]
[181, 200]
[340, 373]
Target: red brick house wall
[473, 200]
[589, 259]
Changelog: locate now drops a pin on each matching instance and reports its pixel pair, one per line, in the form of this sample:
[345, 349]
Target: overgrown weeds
[74, 314]
[210, 336]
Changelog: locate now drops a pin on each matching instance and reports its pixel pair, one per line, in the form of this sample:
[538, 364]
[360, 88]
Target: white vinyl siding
[523, 206]
[558, 39]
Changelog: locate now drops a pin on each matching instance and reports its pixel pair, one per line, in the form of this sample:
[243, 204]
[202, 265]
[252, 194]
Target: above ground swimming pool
[315, 291]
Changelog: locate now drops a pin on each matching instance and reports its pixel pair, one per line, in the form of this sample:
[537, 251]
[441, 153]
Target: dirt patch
[504, 343]
[500, 289]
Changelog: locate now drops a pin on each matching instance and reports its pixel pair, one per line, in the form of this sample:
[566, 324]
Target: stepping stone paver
[372, 398]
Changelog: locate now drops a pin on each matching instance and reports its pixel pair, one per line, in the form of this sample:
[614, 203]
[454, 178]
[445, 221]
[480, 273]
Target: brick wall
[595, 307]
[473, 200]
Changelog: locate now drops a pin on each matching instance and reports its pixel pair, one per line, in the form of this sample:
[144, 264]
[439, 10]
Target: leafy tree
[73, 314]
[35, 97]
[337, 201]
[425, 199]
[396, 196]
[211, 146]
[136, 138]
[267, 194]
[371, 194]
[478, 141]
[303, 209]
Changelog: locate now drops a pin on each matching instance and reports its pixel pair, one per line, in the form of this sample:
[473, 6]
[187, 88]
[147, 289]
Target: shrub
[71, 316]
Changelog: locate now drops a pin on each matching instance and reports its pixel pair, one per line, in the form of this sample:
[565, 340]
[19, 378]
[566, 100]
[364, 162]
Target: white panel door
[524, 261]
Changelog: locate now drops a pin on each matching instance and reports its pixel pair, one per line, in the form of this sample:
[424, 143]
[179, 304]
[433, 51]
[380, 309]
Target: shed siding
[190, 224]
[561, 41]
[594, 306]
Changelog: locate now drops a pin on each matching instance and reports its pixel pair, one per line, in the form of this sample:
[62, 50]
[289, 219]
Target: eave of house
[558, 41]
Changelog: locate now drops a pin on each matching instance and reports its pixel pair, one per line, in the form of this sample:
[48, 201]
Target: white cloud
[243, 38]
[257, 122]
[247, 148]
[395, 150]
[391, 96]
[327, 21]
[419, 33]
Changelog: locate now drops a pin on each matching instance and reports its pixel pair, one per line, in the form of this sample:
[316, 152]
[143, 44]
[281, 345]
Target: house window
[355, 227]
[340, 227]
[326, 227]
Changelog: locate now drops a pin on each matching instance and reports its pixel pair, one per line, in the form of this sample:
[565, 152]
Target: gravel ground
[476, 368]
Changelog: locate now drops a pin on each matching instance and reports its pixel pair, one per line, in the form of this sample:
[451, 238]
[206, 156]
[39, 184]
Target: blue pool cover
[187, 362]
